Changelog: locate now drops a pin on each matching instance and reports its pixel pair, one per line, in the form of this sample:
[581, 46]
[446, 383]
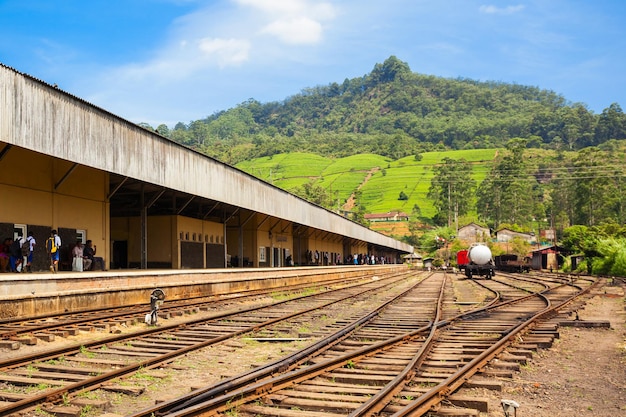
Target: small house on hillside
[507, 235]
[474, 233]
[392, 216]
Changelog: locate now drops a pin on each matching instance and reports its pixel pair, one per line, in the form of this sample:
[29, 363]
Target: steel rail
[378, 401]
[11, 328]
[279, 366]
[221, 399]
[434, 396]
[249, 393]
[8, 363]
[97, 381]
[542, 279]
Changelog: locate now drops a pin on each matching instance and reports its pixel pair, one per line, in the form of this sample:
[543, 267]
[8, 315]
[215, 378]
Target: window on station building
[19, 230]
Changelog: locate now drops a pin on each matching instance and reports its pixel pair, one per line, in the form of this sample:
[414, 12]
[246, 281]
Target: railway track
[26, 331]
[57, 374]
[406, 374]
[413, 312]
[401, 357]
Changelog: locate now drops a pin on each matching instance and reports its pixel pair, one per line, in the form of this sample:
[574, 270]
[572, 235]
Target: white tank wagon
[477, 260]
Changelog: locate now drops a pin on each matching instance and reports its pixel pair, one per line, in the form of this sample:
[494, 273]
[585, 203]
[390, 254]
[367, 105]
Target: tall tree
[315, 194]
[506, 195]
[611, 124]
[596, 184]
[452, 189]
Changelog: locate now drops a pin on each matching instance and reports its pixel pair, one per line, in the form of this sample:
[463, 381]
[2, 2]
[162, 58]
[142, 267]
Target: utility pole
[449, 204]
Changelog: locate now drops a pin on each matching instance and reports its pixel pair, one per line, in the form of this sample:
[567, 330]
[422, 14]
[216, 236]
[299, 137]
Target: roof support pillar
[144, 229]
[240, 238]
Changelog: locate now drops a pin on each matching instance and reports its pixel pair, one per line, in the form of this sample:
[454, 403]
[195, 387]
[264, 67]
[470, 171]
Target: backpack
[15, 250]
[26, 247]
[51, 245]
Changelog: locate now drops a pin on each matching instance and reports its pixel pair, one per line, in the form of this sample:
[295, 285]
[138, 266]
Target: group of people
[16, 255]
[84, 256]
[365, 259]
[322, 258]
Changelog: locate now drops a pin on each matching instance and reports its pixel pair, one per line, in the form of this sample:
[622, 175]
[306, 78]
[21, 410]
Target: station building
[147, 202]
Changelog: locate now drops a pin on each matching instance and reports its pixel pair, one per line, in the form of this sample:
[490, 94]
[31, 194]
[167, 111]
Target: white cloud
[225, 52]
[184, 60]
[490, 9]
[213, 38]
[313, 9]
[300, 30]
[292, 22]
[232, 41]
[275, 6]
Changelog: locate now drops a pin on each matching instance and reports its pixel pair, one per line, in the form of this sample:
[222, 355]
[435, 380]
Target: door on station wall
[191, 255]
[214, 255]
[69, 237]
[277, 254]
[120, 254]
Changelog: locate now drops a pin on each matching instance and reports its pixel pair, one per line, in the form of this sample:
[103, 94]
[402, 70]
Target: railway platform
[31, 295]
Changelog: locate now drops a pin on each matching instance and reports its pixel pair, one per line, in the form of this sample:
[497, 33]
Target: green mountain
[440, 150]
[395, 113]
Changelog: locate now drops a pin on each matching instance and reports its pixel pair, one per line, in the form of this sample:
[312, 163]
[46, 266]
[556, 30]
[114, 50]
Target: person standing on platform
[53, 244]
[31, 248]
[5, 254]
[16, 254]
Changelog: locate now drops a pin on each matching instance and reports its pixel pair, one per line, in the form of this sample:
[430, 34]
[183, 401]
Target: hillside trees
[452, 189]
[507, 194]
[611, 124]
[389, 71]
[598, 195]
[395, 112]
[315, 194]
[604, 253]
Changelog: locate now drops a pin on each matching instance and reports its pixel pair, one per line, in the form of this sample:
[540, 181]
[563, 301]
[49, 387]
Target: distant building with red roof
[392, 216]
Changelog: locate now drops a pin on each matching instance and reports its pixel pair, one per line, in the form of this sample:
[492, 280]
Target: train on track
[512, 263]
[476, 261]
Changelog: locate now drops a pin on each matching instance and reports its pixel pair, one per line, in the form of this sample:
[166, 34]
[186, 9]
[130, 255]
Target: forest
[395, 112]
[555, 162]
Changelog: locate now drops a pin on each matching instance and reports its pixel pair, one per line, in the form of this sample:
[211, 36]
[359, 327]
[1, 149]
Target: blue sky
[169, 61]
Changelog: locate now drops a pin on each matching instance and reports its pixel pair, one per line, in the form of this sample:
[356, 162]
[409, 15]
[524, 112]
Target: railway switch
[508, 406]
[157, 297]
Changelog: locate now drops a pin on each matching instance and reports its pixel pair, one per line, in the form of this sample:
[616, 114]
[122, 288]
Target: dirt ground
[582, 374]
